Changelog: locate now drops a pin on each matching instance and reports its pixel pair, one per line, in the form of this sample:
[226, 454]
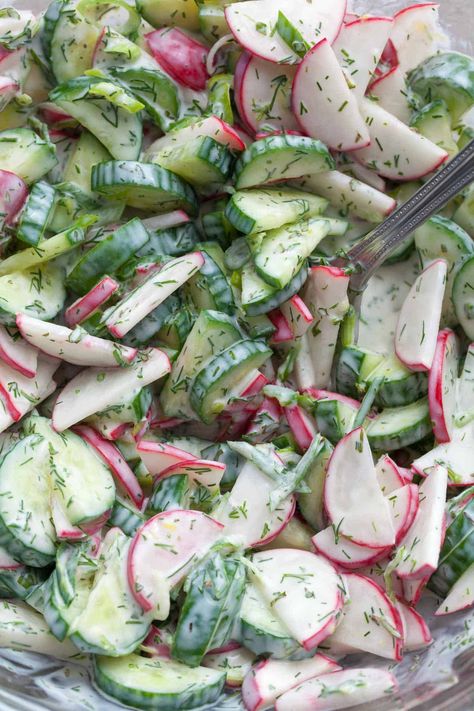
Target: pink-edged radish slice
[370, 622]
[199, 471]
[396, 151]
[96, 389]
[9, 88]
[159, 456]
[245, 392]
[404, 503]
[343, 552]
[388, 475]
[165, 548]
[87, 305]
[456, 456]
[302, 426]
[7, 562]
[352, 495]
[13, 192]
[153, 644]
[389, 58]
[350, 17]
[418, 321]
[326, 293]
[303, 590]
[183, 57]
[359, 47]
[365, 175]
[246, 513]
[415, 35]
[298, 315]
[442, 385]
[407, 474]
[77, 348]
[416, 633]
[65, 530]
[151, 293]
[262, 92]
[211, 126]
[22, 394]
[113, 457]
[164, 222]
[253, 25]
[465, 391]
[236, 663]
[413, 589]
[376, 573]
[320, 394]
[93, 528]
[283, 332]
[323, 104]
[460, 596]
[265, 421]
[56, 117]
[270, 678]
[338, 690]
[19, 355]
[109, 429]
[391, 92]
[347, 193]
[422, 544]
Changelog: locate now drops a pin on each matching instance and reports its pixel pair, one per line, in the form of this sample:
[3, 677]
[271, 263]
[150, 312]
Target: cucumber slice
[212, 22]
[258, 297]
[157, 683]
[210, 390]
[20, 581]
[281, 157]
[400, 385]
[312, 503]
[148, 327]
[172, 492]
[86, 152]
[38, 292]
[107, 255]
[126, 517]
[210, 288]
[200, 161]
[399, 427]
[163, 13]
[212, 333]
[278, 254]
[143, 185]
[155, 90]
[334, 418]
[177, 328]
[353, 366]
[27, 155]
[463, 296]
[35, 215]
[464, 215]
[72, 203]
[172, 242]
[448, 76]
[259, 210]
[434, 122]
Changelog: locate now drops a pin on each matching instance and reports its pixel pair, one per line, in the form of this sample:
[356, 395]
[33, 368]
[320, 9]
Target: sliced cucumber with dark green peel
[107, 255]
[170, 493]
[87, 152]
[157, 682]
[399, 427]
[334, 418]
[281, 157]
[200, 161]
[221, 452]
[208, 613]
[60, 612]
[216, 226]
[353, 366]
[154, 90]
[143, 185]
[210, 390]
[238, 254]
[173, 242]
[259, 210]
[258, 326]
[20, 582]
[258, 297]
[434, 122]
[38, 292]
[400, 386]
[311, 504]
[210, 288]
[212, 22]
[211, 334]
[126, 517]
[448, 76]
[177, 328]
[463, 296]
[36, 213]
[464, 215]
[149, 327]
[279, 254]
[219, 103]
[72, 203]
[27, 155]
[466, 134]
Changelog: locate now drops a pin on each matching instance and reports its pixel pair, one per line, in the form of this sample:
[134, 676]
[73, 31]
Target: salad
[214, 473]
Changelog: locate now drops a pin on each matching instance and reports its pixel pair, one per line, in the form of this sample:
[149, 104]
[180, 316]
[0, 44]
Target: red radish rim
[410, 8]
[16, 365]
[283, 524]
[435, 387]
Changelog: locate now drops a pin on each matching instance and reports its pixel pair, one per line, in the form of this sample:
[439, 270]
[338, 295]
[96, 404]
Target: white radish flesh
[22, 394]
[456, 456]
[461, 595]
[388, 475]
[416, 633]
[199, 471]
[87, 305]
[442, 385]
[404, 504]
[17, 354]
[211, 126]
[344, 552]
[297, 315]
[158, 456]
[391, 92]
[415, 34]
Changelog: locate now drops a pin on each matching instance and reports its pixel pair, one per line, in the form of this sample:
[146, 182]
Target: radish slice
[323, 104]
[253, 25]
[246, 513]
[262, 92]
[396, 151]
[416, 633]
[199, 471]
[270, 678]
[96, 389]
[329, 395]
[456, 456]
[78, 347]
[13, 192]
[7, 562]
[346, 165]
[415, 34]
[391, 92]
[159, 456]
[418, 321]
[404, 504]
[388, 474]
[9, 88]
[17, 354]
[265, 421]
[442, 385]
[301, 425]
[376, 573]
[65, 530]
[461, 595]
[112, 456]
[413, 589]
[422, 543]
[303, 590]
[338, 690]
[236, 662]
[22, 394]
[359, 47]
[297, 315]
[283, 332]
[164, 549]
[183, 57]
[352, 496]
[344, 552]
[211, 126]
[164, 222]
[370, 622]
[245, 392]
[87, 305]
